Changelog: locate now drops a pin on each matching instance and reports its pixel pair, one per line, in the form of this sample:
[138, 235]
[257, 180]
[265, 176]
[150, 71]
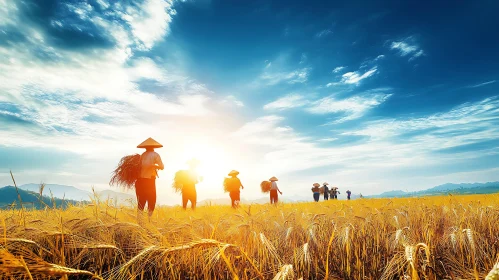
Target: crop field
[446, 237]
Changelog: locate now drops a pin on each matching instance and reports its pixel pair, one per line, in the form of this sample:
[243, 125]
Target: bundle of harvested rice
[127, 172]
[180, 179]
[321, 190]
[226, 184]
[265, 186]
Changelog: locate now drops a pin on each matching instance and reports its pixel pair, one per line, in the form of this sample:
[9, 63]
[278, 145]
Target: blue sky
[368, 95]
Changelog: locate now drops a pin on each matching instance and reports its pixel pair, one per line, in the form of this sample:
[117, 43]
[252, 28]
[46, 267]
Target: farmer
[189, 185]
[349, 193]
[326, 190]
[334, 192]
[273, 191]
[145, 186]
[317, 191]
[234, 185]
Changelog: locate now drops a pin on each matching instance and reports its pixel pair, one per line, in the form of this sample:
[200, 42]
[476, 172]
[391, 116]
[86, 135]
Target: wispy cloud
[352, 107]
[470, 121]
[407, 47]
[338, 69]
[323, 33]
[287, 102]
[354, 77]
[291, 77]
[482, 84]
[232, 100]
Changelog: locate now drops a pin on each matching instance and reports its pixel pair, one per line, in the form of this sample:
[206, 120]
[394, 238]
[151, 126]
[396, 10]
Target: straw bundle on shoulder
[127, 172]
[265, 186]
[226, 184]
[180, 179]
[321, 190]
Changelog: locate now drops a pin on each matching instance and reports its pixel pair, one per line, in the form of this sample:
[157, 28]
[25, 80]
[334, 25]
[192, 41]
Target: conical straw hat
[233, 172]
[150, 143]
[273, 179]
[325, 183]
[316, 185]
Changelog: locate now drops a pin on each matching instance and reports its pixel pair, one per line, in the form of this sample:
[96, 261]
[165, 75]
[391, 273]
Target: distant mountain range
[75, 194]
[464, 188]
[9, 198]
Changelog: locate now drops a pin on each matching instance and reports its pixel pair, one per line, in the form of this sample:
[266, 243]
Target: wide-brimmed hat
[325, 184]
[316, 185]
[150, 143]
[233, 172]
[273, 179]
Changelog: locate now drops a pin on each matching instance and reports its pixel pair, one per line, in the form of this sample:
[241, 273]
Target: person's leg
[194, 199]
[185, 199]
[237, 198]
[151, 203]
[139, 192]
[232, 199]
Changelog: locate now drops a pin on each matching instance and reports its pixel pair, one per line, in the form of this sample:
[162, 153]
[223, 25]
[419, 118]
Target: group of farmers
[150, 162]
[333, 192]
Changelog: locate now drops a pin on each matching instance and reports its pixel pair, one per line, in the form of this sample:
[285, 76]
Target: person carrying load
[233, 186]
[145, 186]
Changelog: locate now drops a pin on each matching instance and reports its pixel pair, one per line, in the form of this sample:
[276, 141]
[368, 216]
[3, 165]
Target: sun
[213, 163]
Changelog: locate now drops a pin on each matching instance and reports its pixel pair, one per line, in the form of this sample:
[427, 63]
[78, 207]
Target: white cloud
[149, 22]
[287, 102]
[355, 77]
[463, 121]
[352, 107]
[338, 69]
[62, 96]
[323, 33]
[407, 47]
[232, 100]
[291, 77]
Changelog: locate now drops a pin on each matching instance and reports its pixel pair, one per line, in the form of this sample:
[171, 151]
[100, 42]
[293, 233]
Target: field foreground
[447, 237]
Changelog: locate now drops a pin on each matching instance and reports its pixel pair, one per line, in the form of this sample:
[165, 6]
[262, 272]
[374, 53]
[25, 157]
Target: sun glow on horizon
[213, 163]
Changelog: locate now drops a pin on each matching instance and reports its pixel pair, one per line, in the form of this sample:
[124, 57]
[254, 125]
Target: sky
[369, 96]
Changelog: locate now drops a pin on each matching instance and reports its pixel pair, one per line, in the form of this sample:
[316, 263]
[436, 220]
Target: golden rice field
[447, 237]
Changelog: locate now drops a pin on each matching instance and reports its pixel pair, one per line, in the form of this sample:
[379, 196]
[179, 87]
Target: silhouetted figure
[317, 191]
[361, 196]
[334, 192]
[349, 193]
[274, 198]
[145, 186]
[326, 190]
[189, 185]
[233, 186]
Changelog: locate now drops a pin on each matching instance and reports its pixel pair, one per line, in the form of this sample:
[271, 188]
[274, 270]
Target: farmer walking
[189, 185]
[326, 190]
[349, 193]
[317, 191]
[274, 198]
[145, 186]
[334, 193]
[233, 185]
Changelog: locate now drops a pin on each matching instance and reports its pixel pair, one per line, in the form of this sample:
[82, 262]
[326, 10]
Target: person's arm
[241, 184]
[279, 190]
[159, 163]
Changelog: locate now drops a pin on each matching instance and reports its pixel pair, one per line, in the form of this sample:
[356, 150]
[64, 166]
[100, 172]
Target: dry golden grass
[448, 237]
